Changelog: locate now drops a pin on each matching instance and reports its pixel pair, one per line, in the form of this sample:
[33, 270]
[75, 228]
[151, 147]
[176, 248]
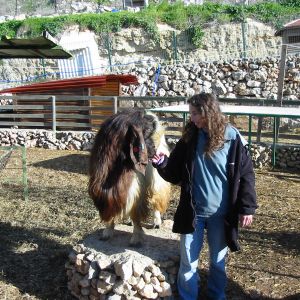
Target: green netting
[13, 166]
[4, 158]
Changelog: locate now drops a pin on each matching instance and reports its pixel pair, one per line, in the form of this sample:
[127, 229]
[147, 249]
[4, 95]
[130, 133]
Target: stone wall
[234, 78]
[230, 78]
[286, 157]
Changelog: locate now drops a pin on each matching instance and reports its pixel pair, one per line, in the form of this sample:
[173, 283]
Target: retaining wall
[286, 156]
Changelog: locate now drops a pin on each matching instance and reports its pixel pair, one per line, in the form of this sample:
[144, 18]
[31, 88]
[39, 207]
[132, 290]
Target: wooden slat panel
[40, 124]
[28, 107]
[34, 116]
[88, 98]
[169, 128]
[69, 107]
[112, 88]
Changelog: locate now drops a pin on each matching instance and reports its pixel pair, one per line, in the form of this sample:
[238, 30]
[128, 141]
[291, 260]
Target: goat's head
[125, 141]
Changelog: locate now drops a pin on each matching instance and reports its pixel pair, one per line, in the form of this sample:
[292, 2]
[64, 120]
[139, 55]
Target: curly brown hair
[208, 105]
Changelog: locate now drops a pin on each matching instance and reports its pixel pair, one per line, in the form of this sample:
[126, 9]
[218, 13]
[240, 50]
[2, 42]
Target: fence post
[281, 75]
[184, 114]
[175, 56]
[44, 70]
[244, 30]
[108, 47]
[53, 100]
[115, 105]
[24, 173]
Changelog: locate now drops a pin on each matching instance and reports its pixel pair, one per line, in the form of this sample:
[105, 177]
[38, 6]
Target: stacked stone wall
[286, 156]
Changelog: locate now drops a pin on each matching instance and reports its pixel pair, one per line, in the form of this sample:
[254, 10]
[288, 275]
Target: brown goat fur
[122, 183]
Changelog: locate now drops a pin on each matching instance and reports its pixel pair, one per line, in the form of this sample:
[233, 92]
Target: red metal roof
[82, 82]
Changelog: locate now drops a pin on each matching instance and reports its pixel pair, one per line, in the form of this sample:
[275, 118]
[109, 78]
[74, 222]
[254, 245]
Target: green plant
[196, 34]
[9, 29]
[182, 17]
[291, 3]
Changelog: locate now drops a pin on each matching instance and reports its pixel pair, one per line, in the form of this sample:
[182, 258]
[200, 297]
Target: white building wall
[86, 59]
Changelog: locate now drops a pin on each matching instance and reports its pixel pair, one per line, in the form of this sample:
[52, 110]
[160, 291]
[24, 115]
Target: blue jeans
[190, 248]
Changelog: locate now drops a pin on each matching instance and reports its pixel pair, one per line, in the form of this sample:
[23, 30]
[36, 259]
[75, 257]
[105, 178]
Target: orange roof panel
[79, 82]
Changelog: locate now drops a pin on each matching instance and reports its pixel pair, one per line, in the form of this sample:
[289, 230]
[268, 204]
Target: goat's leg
[157, 219]
[108, 232]
[138, 234]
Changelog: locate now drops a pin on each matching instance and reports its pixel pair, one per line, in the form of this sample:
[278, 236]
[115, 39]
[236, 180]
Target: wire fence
[115, 54]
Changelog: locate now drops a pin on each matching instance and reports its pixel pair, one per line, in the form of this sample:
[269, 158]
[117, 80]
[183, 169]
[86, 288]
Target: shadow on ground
[35, 256]
[284, 174]
[38, 255]
[74, 163]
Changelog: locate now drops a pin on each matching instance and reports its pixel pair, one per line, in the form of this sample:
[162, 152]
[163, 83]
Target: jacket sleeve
[246, 192]
[171, 168]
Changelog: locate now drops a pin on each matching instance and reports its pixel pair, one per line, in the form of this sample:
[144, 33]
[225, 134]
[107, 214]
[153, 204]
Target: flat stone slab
[159, 244]
[111, 269]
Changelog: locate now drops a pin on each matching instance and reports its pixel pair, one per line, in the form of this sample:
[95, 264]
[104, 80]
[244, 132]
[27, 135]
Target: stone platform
[112, 270]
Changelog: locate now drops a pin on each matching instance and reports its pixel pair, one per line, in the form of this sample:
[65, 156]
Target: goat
[122, 184]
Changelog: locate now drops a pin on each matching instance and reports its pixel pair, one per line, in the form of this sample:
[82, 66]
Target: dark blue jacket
[178, 169]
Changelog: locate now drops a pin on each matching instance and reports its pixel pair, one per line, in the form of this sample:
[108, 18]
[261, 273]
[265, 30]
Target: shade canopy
[248, 110]
[40, 47]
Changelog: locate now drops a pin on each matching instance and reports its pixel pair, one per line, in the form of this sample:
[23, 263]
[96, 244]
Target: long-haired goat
[122, 183]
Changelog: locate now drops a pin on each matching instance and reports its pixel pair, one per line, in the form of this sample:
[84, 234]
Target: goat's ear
[137, 148]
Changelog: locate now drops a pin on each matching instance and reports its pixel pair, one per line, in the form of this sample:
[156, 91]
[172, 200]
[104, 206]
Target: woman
[214, 169]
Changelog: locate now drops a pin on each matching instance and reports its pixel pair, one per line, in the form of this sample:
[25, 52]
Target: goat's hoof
[128, 223]
[156, 226]
[135, 244]
[106, 234]
[104, 238]
[136, 241]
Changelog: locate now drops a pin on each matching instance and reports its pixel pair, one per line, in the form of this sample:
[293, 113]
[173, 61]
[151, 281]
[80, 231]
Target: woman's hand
[158, 158]
[245, 220]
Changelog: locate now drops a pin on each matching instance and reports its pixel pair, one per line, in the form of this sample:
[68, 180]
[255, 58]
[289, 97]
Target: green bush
[196, 34]
[291, 3]
[10, 29]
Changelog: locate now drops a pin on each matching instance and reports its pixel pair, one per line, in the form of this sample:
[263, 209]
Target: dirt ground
[37, 235]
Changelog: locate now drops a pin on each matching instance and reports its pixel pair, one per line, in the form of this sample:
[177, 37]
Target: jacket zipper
[191, 194]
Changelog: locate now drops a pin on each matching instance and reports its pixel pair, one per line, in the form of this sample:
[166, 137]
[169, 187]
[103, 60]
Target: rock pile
[64, 140]
[261, 155]
[111, 270]
[286, 157]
